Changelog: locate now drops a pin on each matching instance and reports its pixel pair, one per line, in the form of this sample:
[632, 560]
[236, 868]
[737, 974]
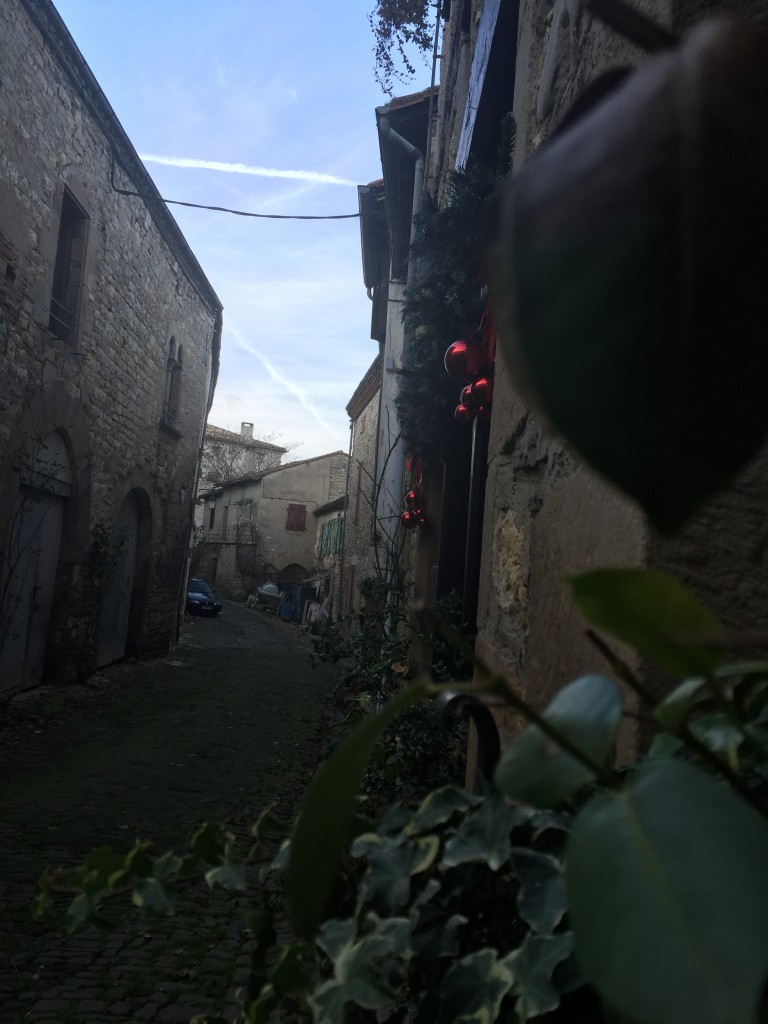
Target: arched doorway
[119, 583]
[31, 549]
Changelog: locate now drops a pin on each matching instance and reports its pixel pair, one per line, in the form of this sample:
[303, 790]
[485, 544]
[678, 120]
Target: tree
[227, 455]
[400, 28]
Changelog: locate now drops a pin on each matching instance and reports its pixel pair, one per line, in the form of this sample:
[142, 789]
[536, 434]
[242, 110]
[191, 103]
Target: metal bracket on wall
[488, 743]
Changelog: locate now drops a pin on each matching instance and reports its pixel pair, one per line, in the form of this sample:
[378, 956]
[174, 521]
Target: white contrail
[318, 177]
[283, 381]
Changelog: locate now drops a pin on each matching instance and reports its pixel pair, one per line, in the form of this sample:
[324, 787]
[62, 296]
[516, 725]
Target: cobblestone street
[223, 727]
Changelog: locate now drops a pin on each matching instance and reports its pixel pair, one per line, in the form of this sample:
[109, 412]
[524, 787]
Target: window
[211, 516]
[174, 370]
[68, 269]
[297, 515]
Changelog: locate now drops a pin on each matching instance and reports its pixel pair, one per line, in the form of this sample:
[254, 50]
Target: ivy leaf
[207, 843]
[153, 896]
[387, 882]
[138, 861]
[474, 988]
[327, 1003]
[334, 936]
[484, 835]
[82, 909]
[654, 614]
[105, 867]
[323, 827]
[542, 901]
[290, 975]
[533, 966]
[439, 807]
[681, 859]
[268, 825]
[535, 770]
[229, 875]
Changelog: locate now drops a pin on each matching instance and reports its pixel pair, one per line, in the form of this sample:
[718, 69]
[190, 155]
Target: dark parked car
[201, 598]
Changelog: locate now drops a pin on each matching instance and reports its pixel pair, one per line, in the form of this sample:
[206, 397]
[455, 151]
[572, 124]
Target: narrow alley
[226, 725]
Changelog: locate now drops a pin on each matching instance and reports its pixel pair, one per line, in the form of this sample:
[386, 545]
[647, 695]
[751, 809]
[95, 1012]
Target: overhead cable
[238, 213]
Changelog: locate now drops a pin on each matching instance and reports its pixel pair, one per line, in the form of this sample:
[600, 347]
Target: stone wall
[547, 516]
[251, 540]
[103, 389]
[360, 553]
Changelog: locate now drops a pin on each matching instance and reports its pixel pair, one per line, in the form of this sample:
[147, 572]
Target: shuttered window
[297, 517]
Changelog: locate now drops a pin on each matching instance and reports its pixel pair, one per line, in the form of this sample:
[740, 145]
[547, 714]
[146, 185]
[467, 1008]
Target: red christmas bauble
[409, 520]
[481, 391]
[465, 361]
[412, 498]
[484, 414]
[467, 396]
[464, 414]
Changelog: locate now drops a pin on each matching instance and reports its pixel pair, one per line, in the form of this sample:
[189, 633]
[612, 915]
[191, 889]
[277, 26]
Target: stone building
[227, 456]
[547, 515]
[109, 350]
[262, 528]
[360, 541]
[329, 551]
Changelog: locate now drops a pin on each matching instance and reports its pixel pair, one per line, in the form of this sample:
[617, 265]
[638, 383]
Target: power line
[268, 216]
[238, 213]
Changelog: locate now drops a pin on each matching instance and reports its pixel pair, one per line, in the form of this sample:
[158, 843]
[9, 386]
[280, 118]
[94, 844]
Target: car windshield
[200, 587]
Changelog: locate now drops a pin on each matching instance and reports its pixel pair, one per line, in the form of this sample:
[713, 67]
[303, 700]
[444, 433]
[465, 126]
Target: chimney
[246, 431]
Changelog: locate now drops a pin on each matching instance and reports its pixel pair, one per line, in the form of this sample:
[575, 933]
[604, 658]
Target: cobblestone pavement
[225, 726]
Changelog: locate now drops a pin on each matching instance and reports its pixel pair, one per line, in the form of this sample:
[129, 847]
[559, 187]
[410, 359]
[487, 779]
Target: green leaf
[335, 935]
[82, 909]
[668, 895]
[327, 1003]
[207, 843]
[542, 901]
[322, 829]
[533, 966]
[664, 745]
[474, 988]
[440, 806]
[229, 875]
[676, 706]
[536, 771]
[138, 862]
[654, 614]
[290, 975]
[484, 834]
[268, 825]
[154, 897]
[387, 882]
[103, 865]
[612, 323]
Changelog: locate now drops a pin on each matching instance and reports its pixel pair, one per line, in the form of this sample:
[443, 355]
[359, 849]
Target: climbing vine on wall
[445, 303]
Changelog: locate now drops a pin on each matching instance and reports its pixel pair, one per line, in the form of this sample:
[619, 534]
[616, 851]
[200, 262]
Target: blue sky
[281, 86]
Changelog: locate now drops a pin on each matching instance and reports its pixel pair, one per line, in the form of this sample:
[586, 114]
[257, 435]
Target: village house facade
[227, 455]
[547, 515]
[361, 539]
[262, 529]
[109, 351]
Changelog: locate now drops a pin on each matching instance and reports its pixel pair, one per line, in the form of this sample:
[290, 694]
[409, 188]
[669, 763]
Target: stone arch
[44, 512]
[125, 578]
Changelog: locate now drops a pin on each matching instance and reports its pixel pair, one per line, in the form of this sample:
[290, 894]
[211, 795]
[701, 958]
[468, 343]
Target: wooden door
[118, 586]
